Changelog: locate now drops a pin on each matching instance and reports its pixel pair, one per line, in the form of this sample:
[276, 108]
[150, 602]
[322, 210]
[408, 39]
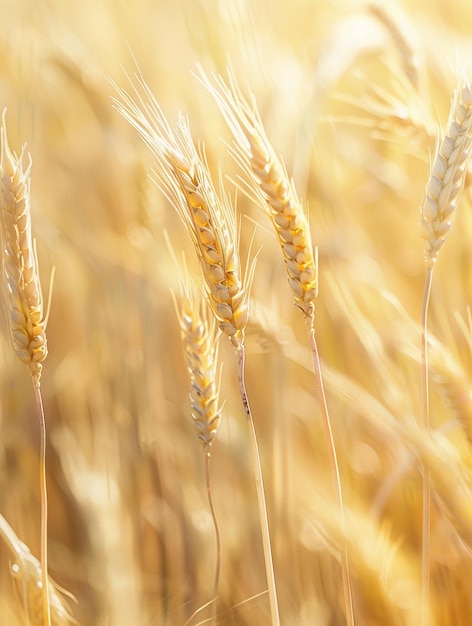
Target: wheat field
[355, 99]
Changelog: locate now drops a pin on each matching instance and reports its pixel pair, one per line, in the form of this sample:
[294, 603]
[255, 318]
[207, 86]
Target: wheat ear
[446, 181]
[20, 267]
[199, 338]
[27, 572]
[254, 152]
[181, 172]
[269, 179]
[447, 174]
[24, 298]
[397, 27]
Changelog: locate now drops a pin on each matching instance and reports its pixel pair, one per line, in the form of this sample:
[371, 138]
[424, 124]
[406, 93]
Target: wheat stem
[44, 503]
[259, 482]
[347, 588]
[216, 582]
[23, 293]
[269, 178]
[199, 337]
[425, 421]
[445, 184]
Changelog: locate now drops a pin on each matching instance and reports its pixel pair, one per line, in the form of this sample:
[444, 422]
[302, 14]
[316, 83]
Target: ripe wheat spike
[20, 266]
[254, 152]
[447, 174]
[27, 573]
[182, 174]
[199, 338]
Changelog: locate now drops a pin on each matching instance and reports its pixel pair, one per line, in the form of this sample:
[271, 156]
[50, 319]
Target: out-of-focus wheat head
[26, 571]
[199, 338]
[447, 174]
[20, 265]
[182, 174]
[407, 47]
[254, 152]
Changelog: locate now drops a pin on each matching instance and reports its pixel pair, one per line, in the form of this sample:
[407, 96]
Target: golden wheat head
[199, 338]
[181, 172]
[276, 190]
[27, 573]
[20, 266]
[447, 174]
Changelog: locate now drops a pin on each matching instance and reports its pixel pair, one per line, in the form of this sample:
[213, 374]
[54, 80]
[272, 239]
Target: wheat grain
[447, 174]
[182, 174]
[20, 266]
[256, 155]
[199, 337]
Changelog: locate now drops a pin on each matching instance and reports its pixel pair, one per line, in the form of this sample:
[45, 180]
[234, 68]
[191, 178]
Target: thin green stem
[310, 320]
[44, 504]
[425, 422]
[269, 566]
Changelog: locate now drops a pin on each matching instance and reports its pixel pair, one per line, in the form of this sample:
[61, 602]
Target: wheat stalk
[24, 299]
[445, 183]
[199, 338]
[254, 152]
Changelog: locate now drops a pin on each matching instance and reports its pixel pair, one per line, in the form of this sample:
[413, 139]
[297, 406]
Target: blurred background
[352, 95]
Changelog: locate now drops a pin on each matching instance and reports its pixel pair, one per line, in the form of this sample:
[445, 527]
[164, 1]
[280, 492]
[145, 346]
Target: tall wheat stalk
[182, 174]
[276, 192]
[437, 216]
[199, 338]
[25, 305]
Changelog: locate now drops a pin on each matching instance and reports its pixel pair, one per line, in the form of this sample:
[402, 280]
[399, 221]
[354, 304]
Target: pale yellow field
[356, 111]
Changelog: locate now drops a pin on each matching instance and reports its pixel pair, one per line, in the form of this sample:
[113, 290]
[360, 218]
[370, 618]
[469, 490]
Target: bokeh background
[353, 96]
